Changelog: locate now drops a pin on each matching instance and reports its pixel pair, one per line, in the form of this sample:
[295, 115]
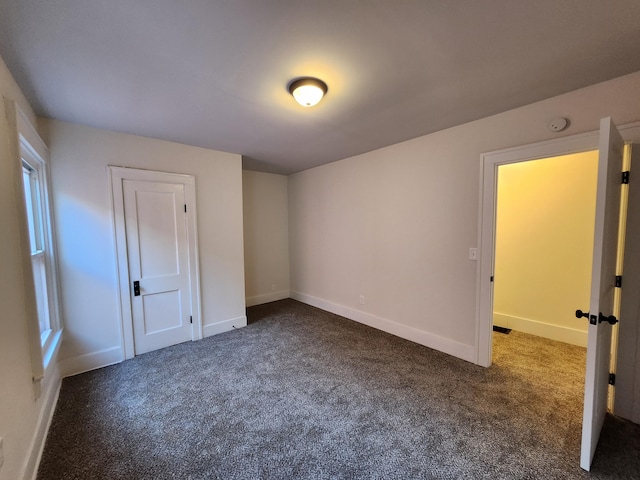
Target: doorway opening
[491, 164]
[544, 230]
[545, 214]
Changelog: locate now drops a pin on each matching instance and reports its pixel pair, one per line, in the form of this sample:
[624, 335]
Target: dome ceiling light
[308, 91]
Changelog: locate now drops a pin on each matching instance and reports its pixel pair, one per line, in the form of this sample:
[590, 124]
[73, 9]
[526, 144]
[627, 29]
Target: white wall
[266, 237]
[23, 419]
[395, 225]
[79, 159]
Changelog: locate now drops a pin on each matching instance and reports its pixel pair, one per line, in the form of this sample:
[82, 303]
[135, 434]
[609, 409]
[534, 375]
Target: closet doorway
[545, 215]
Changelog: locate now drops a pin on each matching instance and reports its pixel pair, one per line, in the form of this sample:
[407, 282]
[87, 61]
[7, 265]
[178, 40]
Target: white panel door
[158, 251]
[602, 288]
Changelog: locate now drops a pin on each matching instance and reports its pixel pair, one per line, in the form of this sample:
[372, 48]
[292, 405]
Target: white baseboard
[266, 298]
[50, 391]
[90, 361]
[450, 347]
[224, 326]
[541, 329]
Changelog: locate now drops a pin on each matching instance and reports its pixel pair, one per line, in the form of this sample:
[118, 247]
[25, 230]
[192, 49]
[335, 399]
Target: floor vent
[504, 330]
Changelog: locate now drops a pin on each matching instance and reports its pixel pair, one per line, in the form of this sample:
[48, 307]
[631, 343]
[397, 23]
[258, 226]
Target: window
[35, 216]
[39, 226]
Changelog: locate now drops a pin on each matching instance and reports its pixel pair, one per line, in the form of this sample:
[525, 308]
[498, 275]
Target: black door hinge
[625, 177]
[619, 281]
[185, 208]
[492, 278]
[612, 379]
[190, 318]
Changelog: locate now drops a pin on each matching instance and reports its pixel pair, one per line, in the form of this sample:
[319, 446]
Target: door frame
[627, 398]
[116, 177]
[489, 163]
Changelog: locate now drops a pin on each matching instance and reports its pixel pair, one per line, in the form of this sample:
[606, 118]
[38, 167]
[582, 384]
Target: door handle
[611, 319]
[593, 319]
[580, 314]
[136, 288]
[599, 319]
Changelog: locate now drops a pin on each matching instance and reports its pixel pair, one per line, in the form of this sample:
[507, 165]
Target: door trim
[116, 176]
[627, 398]
[489, 163]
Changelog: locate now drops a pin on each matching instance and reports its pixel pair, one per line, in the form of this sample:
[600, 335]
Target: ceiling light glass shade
[308, 91]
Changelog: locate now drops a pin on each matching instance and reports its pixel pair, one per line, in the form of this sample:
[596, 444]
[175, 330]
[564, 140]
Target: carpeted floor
[304, 394]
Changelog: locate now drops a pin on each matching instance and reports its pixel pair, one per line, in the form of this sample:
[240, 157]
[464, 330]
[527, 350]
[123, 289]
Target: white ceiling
[213, 73]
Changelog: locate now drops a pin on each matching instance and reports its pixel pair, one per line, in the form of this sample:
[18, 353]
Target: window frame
[33, 152]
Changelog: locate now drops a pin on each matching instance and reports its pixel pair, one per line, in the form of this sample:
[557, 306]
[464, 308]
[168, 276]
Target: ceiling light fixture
[308, 91]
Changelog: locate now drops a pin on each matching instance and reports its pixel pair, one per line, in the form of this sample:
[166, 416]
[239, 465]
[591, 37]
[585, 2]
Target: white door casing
[627, 398]
[156, 244]
[602, 288]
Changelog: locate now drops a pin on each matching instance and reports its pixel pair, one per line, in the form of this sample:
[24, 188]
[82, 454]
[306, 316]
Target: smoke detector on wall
[558, 124]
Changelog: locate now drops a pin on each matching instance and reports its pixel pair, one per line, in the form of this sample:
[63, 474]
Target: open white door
[602, 288]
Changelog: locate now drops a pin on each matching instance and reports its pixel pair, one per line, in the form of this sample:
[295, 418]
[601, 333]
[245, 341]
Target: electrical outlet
[1, 451]
[473, 254]
[361, 299]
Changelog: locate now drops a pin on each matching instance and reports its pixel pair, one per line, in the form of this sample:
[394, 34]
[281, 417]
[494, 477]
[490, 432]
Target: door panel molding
[116, 176]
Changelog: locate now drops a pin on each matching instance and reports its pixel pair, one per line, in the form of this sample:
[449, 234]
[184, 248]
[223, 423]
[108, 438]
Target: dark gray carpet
[304, 394]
